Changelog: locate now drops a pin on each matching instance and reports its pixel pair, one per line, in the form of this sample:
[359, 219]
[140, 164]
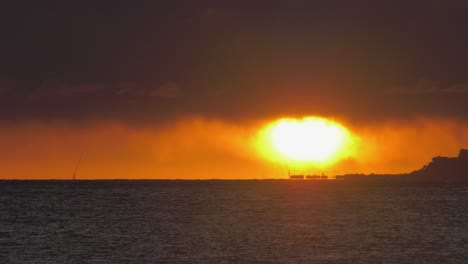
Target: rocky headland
[439, 169]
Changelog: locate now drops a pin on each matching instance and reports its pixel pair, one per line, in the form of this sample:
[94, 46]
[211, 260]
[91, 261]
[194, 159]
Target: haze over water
[233, 222]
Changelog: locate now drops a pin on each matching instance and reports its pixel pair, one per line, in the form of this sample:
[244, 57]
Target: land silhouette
[439, 169]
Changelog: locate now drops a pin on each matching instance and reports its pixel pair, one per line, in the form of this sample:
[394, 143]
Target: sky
[148, 89]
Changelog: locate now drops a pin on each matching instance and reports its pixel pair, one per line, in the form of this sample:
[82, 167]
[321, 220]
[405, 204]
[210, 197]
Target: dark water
[233, 222]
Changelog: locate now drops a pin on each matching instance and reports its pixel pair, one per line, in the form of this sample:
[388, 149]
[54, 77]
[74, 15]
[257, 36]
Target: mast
[77, 165]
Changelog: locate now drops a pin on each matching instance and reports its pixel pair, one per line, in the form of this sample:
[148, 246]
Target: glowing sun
[309, 139]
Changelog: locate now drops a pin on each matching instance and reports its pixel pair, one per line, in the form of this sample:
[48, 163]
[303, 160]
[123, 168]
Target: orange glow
[309, 140]
[199, 148]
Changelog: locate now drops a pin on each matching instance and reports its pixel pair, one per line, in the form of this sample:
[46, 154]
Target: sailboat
[77, 166]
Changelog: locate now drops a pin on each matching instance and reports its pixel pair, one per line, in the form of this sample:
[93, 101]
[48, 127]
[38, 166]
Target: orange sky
[196, 148]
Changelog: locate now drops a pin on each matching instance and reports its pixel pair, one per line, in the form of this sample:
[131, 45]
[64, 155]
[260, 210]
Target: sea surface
[257, 221]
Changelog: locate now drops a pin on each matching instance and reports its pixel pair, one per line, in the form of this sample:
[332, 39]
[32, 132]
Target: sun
[313, 139]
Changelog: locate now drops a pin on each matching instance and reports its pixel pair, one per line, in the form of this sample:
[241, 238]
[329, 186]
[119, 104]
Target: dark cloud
[128, 88]
[458, 88]
[167, 90]
[140, 62]
[6, 86]
[54, 89]
[428, 87]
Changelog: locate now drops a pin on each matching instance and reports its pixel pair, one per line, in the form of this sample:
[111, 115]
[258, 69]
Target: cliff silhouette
[439, 169]
[445, 168]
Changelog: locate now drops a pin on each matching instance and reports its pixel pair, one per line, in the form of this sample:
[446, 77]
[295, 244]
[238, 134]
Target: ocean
[218, 221]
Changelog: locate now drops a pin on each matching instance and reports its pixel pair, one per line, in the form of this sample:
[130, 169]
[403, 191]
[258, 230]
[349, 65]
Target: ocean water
[233, 222]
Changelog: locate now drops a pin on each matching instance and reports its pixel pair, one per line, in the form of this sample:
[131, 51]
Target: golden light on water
[308, 140]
